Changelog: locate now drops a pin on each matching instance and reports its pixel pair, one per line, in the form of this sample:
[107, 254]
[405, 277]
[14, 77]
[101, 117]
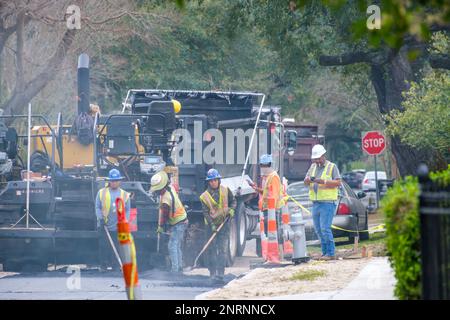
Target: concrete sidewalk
[375, 282]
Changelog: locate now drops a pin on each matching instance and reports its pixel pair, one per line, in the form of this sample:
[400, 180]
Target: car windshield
[298, 190]
[380, 175]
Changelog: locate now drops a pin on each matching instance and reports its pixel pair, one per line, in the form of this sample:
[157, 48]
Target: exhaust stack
[83, 83]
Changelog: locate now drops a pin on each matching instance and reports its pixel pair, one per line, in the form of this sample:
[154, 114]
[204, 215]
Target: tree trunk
[390, 80]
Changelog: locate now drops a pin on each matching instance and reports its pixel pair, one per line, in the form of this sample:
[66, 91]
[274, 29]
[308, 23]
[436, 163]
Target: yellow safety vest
[323, 193]
[105, 199]
[178, 213]
[265, 195]
[217, 211]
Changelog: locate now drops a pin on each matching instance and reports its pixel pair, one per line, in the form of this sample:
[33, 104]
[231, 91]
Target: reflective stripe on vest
[280, 198]
[217, 211]
[323, 193]
[105, 199]
[177, 215]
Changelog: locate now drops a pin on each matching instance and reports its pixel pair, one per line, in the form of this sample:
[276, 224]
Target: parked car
[351, 214]
[368, 183]
[354, 179]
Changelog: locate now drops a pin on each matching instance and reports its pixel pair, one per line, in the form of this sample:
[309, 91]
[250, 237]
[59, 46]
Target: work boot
[217, 280]
[212, 273]
[328, 258]
[219, 277]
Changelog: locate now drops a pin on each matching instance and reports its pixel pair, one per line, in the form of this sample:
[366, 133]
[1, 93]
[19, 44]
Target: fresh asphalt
[81, 283]
[92, 284]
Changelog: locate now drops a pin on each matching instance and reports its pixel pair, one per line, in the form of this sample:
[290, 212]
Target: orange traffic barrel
[273, 255]
[127, 251]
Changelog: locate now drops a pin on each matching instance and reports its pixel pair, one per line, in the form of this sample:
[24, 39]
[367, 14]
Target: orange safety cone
[273, 254]
[263, 236]
[285, 218]
[127, 252]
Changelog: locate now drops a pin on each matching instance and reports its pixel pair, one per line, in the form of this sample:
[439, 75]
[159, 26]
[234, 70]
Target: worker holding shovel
[105, 209]
[218, 204]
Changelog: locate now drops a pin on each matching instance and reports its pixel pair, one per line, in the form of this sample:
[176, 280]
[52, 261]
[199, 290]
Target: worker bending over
[173, 213]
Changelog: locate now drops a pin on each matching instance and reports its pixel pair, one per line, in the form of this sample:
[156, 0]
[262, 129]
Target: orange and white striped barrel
[127, 252]
[272, 235]
[262, 235]
[285, 218]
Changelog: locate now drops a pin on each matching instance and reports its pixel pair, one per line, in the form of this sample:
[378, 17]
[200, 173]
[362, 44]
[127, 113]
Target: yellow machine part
[74, 153]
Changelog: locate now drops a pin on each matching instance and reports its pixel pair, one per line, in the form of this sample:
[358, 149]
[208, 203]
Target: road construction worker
[105, 204]
[173, 213]
[218, 203]
[271, 186]
[105, 210]
[323, 179]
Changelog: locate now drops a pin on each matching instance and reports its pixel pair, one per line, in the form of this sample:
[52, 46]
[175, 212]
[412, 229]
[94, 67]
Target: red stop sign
[373, 142]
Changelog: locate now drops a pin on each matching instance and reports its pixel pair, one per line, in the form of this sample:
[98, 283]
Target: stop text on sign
[373, 142]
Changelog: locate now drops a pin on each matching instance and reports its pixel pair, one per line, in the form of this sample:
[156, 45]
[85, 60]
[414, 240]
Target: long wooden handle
[209, 241]
[113, 246]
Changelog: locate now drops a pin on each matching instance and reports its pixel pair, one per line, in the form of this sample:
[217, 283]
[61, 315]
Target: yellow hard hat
[176, 105]
[159, 181]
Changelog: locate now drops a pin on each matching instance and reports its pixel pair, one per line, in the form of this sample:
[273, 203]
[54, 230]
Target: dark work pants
[106, 254]
[218, 250]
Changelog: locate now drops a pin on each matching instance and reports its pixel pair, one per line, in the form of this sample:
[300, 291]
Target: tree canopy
[316, 59]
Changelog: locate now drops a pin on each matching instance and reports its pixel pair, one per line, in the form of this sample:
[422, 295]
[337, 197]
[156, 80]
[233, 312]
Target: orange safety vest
[217, 211]
[272, 188]
[179, 212]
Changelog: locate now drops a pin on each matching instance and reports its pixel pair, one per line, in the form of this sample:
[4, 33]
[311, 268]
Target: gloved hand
[231, 212]
[160, 229]
[100, 223]
[213, 228]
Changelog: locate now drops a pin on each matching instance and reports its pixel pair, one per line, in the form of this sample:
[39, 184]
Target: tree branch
[345, 59]
[18, 100]
[441, 61]
[375, 57]
[19, 52]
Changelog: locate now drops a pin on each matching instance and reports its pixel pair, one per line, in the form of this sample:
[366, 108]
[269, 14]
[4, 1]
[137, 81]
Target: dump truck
[296, 164]
[47, 212]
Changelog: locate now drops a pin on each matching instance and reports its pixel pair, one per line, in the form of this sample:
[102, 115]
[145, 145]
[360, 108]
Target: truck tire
[233, 243]
[241, 224]
[365, 235]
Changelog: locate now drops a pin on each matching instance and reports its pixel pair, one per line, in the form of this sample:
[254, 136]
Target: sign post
[374, 143]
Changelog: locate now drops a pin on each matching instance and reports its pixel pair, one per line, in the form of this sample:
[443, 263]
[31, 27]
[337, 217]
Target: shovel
[113, 246]
[213, 236]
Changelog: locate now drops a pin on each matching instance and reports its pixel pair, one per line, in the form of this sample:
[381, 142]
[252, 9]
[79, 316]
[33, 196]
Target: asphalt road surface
[75, 282]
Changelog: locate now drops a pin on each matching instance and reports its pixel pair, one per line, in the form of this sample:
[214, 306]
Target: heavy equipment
[296, 165]
[149, 134]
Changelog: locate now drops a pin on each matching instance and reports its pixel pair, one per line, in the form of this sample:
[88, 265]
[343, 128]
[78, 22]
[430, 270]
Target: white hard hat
[158, 181]
[317, 151]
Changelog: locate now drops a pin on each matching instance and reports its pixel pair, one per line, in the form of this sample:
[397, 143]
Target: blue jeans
[323, 213]
[175, 242]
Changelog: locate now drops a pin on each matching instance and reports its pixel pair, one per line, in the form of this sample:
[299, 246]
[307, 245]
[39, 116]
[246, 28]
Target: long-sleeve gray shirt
[112, 217]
